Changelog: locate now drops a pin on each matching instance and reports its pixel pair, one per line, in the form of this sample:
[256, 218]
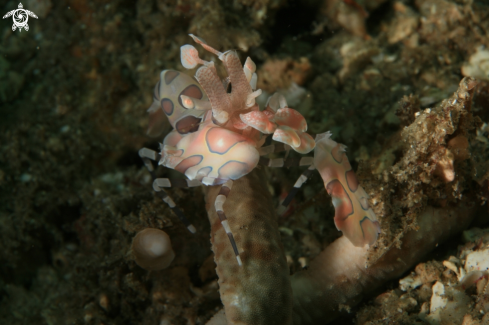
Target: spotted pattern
[349, 198]
[188, 162]
[219, 144]
[170, 76]
[337, 153]
[233, 170]
[172, 85]
[204, 171]
[191, 91]
[370, 229]
[173, 151]
[341, 201]
[188, 124]
[167, 106]
[352, 180]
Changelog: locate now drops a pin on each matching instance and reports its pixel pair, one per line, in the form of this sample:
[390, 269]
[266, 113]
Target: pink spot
[188, 103]
[338, 153]
[219, 140]
[187, 124]
[170, 76]
[352, 180]
[187, 163]
[341, 201]
[167, 106]
[233, 170]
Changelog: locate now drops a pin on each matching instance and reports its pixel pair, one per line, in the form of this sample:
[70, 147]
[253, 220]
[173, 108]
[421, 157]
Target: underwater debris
[478, 65]
[285, 76]
[403, 27]
[356, 55]
[277, 74]
[152, 249]
[461, 287]
[348, 14]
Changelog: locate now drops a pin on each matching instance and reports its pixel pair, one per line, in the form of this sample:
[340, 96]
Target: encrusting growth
[259, 292]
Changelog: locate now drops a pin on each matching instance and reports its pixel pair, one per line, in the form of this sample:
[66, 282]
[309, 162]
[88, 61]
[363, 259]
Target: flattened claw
[299, 141]
[287, 135]
[291, 118]
[259, 121]
[307, 143]
[189, 56]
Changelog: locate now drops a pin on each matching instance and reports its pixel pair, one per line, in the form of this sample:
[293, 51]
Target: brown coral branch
[259, 292]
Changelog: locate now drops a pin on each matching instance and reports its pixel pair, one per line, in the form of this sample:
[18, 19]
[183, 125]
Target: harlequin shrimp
[218, 137]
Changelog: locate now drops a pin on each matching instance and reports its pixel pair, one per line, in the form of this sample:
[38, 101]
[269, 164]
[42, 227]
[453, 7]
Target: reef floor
[382, 75]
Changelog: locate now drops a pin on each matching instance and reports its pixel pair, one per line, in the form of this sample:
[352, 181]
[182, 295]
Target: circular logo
[20, 17]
